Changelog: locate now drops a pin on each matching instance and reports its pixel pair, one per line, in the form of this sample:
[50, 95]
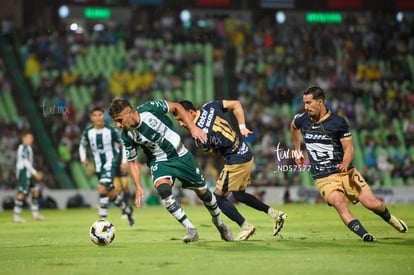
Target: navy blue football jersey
[323, 142]
[221, 136]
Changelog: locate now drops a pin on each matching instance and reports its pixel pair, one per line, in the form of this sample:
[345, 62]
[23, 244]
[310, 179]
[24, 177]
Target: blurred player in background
[105, 144]
[27, 177]
[328, 142]
[239, 159]
[148, 126]
[121, 179]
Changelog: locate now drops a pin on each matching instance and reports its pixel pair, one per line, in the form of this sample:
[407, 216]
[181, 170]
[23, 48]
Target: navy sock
[356, 227]
[127, 197]
[386, 216]
[250, 200]
[230, 210]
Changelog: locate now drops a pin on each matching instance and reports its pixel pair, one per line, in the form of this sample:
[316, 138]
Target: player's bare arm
[181, 114]
[237, 109]
[124, 162]
[38, 176]
[123, 167]
[348, 155]
[295, 132]
[136, 177]
[82, 155]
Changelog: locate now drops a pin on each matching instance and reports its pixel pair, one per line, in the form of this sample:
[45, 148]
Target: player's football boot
[18, 219]
[398, 224]
[191, 235]
[245, 232]
[279, 218]
[131, 220]
[124, 215]
[368, 238]
[38, 217]
[130, 217]
[224, 230]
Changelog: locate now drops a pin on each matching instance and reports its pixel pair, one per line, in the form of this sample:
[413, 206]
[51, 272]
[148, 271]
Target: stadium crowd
[368, 67]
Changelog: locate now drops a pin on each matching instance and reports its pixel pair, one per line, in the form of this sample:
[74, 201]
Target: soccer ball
[102, 232]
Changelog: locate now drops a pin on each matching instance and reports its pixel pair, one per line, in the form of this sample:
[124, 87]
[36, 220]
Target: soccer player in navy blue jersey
[235, 176]
[328, 141]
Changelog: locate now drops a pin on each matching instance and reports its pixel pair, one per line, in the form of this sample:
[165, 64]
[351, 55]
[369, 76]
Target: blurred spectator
[368, 73]
[383, 163]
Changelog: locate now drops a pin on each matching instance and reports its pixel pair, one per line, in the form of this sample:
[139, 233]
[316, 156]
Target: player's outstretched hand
[245, 132]
[341, 168]
[139, 194]
[299, 161]
[199, 134]
[38, 176]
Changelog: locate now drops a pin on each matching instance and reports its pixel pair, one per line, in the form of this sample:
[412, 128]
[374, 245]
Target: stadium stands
[268, 76]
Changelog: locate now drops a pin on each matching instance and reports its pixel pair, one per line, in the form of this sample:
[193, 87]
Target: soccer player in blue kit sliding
[148, 126]
[328, 141]
[235, 176]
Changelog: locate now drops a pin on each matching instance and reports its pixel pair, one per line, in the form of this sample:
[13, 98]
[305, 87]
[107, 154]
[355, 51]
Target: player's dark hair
[117, 106]
[96, 108]
[188, 105]
[26, 132]
[316, 92]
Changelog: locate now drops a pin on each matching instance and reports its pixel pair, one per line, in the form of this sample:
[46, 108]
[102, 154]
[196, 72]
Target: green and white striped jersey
[25, 160]
[155, 133]
[105, 145]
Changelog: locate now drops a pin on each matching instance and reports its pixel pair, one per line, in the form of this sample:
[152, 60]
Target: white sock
[271, 212]
[245, 224]
[177, 211]
[103, 207]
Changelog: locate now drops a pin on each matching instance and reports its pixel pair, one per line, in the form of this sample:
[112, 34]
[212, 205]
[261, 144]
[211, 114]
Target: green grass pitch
[314, 242]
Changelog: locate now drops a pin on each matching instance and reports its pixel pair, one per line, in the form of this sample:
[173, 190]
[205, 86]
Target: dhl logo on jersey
[316, 136]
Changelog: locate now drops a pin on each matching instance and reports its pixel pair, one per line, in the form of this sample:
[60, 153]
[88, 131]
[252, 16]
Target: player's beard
[312, 115]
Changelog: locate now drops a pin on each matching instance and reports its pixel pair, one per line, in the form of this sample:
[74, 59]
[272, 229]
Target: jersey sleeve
[298, 120]
[219, 104]
[83, 144]
[216, 104]
[23, 162]
[344, 129]
[84, 139]
[116, 136]
[119, 144]
[130, 147]
[157, 106]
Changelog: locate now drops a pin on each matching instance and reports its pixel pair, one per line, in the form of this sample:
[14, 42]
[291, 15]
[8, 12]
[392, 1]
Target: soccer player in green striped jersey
[26, 174]
[105, 143]
[148, 126]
